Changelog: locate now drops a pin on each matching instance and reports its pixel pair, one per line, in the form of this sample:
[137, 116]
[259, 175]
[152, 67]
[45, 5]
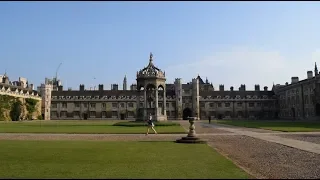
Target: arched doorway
[187, 113]
[317, 109]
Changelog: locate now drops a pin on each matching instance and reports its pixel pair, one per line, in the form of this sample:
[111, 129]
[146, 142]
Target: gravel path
[202, 128]
[268, 160]
[313, 138]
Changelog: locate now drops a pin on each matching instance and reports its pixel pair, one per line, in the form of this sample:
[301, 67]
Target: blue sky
[231, 43]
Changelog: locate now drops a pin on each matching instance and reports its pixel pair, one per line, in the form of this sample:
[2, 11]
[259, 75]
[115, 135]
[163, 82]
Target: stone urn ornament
[191, 137]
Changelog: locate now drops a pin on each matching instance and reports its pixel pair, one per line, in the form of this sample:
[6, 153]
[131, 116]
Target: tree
[16, 111]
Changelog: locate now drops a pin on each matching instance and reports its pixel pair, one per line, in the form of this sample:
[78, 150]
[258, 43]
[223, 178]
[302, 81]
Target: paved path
[272, 137]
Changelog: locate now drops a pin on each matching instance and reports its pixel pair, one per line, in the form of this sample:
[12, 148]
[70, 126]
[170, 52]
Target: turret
[125, 83]
[316, 72]
[195, 98]
[178, 93]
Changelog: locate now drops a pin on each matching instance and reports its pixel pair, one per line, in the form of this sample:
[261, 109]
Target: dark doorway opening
[187, 113]
[293, 111]
[122, 116]
[219, 116]
[42, 116]
[85, 116]
[317, 109]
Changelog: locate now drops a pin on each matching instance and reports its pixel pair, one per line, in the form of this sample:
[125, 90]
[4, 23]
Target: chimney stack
[310, 74]
[221, 87]
[81, 88]
[257, 87]
[265, 88]
[100, 87]
[60, 88]
[294, 80]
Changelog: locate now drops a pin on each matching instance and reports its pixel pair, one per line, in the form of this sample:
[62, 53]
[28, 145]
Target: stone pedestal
[191, 137]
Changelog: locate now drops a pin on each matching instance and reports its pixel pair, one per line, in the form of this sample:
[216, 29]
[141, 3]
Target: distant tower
[195, 98]
[178, 92]
[125, 83]
[316, 72]
[46, 90]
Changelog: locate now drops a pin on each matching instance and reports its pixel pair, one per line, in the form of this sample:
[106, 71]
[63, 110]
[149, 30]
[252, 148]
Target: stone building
[153, 95]
[300, 99]
[22, 91]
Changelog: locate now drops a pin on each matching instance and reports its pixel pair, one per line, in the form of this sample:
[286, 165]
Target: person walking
[150, 125]
[209, 119]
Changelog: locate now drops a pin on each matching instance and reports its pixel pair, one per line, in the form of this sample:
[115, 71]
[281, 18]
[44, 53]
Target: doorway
[317, 109]
[122, 116]
[187, 113]
[85, 116]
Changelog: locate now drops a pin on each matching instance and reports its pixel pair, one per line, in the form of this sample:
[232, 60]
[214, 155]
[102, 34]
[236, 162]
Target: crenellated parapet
[16, 91]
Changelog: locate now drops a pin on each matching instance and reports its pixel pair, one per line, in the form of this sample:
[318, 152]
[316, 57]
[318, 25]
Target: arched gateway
[151, 85]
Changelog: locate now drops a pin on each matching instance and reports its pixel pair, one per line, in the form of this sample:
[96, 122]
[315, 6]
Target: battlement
[20, 92]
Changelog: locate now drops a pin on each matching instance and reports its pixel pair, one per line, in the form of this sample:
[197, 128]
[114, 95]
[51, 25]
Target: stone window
[173, 104]
[202, 105]
[239, 104]
[122, 105]
[227, 104]
[54, 105]
[77, 105]
[219, 105]
[93, 105]
[76, 113]
[173, 113]
[63, 114]
[92, 114]
[211, 104]
[114, 114]
[130, 113]
[114, 105]
[54, 113]
[64, 105]
[167, 105]
[103, 105]
[130, 105]
[141, 104]
[251, 104]
[168, 113]
[258, 104]
[104, 113]
[85, 105]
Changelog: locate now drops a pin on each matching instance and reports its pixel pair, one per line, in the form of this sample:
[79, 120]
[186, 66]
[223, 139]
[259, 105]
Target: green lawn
[285, 126]
[99, 159]
[81, 127]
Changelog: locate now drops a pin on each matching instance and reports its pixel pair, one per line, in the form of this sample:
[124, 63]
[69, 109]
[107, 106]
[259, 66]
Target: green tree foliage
[31, 105]
[15, 111]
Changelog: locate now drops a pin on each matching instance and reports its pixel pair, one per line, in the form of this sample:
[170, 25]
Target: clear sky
[231, 43]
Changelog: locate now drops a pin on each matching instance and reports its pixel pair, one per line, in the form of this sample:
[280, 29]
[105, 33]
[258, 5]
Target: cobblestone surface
[313, 138]
[268, 160]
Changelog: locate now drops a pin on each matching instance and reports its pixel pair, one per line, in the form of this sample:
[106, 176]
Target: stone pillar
[157, 103]
[137, 105]
[164, 102]
[145, 104]
[195, 98]
[178, 94]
